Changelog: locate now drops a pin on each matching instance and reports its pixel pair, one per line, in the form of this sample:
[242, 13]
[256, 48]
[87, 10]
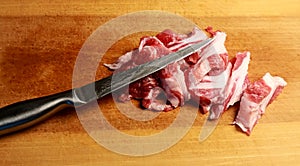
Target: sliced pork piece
[173, 82]
[207, 79]
[212, 89]
[255, 100]
[238, 80]
[213, 60]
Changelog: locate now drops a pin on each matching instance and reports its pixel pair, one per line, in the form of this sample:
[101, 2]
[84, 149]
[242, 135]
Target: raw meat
[171, 79]
[207, 77]
[212, 89]
[255, 100]
[238, 80]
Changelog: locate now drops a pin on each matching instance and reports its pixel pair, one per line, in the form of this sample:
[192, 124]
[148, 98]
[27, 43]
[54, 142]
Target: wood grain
[39, 43]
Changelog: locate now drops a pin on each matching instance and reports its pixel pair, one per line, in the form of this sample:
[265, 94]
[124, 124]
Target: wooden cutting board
[39, 43]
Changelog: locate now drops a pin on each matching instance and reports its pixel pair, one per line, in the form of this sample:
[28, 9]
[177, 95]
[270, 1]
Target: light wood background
[39, 43]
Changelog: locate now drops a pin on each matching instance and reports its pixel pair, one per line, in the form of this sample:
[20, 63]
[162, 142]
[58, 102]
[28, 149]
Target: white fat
[248, 114]
[279, 81]
[273, 83]
[181, 80]
[204, 68]
[144, 41]
[242, 127]
[218, 81]
[122, 60]
[237, 78]
[216, 47]
[211, 82]
[196, 36]
[152, 50]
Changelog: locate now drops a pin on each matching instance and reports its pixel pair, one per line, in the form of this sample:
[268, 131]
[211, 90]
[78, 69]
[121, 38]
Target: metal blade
[116, 81]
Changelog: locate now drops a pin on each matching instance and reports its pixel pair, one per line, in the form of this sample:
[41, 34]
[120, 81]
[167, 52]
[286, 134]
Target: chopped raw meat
[212, 88]
[238, 80]
[213, 59]
[207, 77]
[173, 82]
[255, 100]
[142, 87]
[152, 101]
[171, 78]
[150, 48]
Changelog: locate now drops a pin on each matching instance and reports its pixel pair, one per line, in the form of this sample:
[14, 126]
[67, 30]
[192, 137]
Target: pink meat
[150, 48]
[255, 100]
[173, 82]
[207, 77]
[213, 59]
[171, 79]
[238, 80]
[212, 89]
[153, 102]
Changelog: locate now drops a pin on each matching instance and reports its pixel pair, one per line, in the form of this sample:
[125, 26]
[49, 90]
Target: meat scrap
[238, 80]
[255, 100]
[208, 77]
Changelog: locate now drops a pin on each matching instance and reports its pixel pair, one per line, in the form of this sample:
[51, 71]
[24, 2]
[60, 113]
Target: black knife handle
[29, 112]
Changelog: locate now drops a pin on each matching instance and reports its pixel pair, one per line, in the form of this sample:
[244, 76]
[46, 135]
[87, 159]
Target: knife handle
[26, 113]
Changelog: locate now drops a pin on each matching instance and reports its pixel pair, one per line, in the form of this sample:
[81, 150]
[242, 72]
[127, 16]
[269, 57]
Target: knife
[26, 113]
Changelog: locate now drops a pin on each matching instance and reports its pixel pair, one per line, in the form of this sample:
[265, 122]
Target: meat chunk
[238, 80]
[255, 100]
[207, 79]
[173, 82]
[212, 89]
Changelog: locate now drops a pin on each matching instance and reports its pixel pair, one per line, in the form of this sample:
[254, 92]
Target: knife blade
[26, 113]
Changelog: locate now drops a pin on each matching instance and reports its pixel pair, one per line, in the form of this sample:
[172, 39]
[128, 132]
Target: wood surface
[39, 43]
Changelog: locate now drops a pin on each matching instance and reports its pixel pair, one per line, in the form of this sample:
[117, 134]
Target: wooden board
[39, 43]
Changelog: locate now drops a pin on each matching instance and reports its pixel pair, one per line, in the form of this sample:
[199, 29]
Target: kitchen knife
[29, 112]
